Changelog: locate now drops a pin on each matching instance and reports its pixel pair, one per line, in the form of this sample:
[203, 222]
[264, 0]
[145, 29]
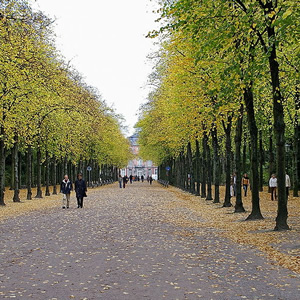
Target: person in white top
[287, 185]
[273, 186]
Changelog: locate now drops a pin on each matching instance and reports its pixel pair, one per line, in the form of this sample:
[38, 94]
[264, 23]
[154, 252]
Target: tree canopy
[45, 103]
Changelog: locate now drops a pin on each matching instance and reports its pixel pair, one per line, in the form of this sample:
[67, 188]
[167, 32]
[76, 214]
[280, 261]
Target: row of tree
[48, 115]
[226, 79]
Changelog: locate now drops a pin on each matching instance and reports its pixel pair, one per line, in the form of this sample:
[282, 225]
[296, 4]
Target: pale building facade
[138, 167]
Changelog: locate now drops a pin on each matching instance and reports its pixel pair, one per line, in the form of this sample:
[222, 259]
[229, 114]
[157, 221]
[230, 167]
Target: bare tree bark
[227, 129]
[29, 172]
[15, 153]
[238, 167]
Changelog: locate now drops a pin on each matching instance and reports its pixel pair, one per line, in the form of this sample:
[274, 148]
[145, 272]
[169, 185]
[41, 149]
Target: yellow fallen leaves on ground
[12, 209]
[281, 247]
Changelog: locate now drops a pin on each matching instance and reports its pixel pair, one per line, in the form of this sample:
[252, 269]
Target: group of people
[245, 184]
[66, 188]
[273, 186]
[125, 179]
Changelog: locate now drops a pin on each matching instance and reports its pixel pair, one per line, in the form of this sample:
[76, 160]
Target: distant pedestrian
[273, 187]
[142, 178]
[120, 181]
[65, 188]
[245, 183]
[130, 178]
[232, 186]
[80, 189]
[234, 183]
[287, 184]
[125, 179]
[150, 179]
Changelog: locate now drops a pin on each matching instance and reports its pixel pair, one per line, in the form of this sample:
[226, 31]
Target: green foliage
[210, 52]
[46, 104]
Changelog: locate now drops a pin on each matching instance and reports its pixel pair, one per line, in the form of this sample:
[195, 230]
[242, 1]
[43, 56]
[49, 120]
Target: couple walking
[123, 181]
[273, 186]
[80, 189]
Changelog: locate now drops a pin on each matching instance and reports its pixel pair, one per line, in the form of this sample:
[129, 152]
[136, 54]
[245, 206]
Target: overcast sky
[106, 42]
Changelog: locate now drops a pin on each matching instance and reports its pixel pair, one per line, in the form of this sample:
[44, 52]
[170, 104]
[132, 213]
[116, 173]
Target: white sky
[106, 41]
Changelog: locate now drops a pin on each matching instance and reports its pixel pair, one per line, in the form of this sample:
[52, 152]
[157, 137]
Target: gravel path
[122, 245]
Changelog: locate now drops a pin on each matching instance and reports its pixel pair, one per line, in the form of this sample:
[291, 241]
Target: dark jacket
[80, 188]
[66, 187]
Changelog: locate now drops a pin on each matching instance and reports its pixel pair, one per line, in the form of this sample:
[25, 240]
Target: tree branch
[242, 5]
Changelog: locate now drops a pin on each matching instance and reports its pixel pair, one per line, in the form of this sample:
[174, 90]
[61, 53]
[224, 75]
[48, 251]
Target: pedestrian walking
[150, 180]
[245, 183]
[65, 188]
[120, 181]
[125, 179]
[287, 185]
[232, 186]
[273, 187]
[142, 178]
[80, 189]
[130, 179]
[234, 183]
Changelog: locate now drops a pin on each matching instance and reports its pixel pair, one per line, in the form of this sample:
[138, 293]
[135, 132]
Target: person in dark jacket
[125, 180]
[150, 179]
[65, 188]
[80, 189]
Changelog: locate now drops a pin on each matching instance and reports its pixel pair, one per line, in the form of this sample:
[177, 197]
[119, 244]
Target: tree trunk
[217, 166]
[186, 171]
[261, 163]
[249, 102]
[29, 173]
[238, 170]
[54, 176]
[271, 158]
[182, 171]
[62, 170]
[33, 169]
[20, 170]
[244, 168]
[80, 166]
[70, 170]
[204, 167]
[47, 175]
[74, 175]
[197, 157]
[177, 168]
[269, 9]
[12, 171]
[190, 175]
[227, 130]
[65, 165]
[39, 192]
[2, 166]
[209, 172]
[296, 146]
[279, 129]
[296, 162]
[84, 166]
[15, 153]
